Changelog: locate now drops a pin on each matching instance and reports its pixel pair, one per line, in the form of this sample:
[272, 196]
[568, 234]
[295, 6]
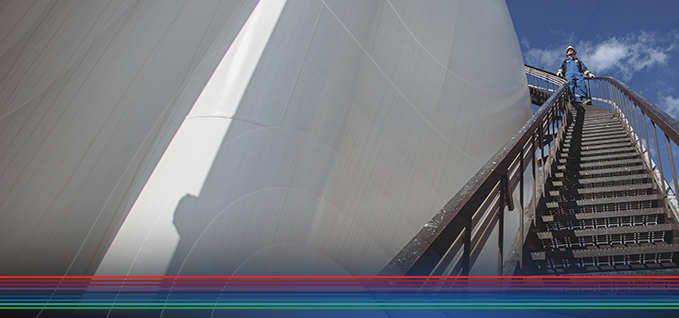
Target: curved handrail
[547, 76]
[664, 121]
[452, 240]
[638, 114]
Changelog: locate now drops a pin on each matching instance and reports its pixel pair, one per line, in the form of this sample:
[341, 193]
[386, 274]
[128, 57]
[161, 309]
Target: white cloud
[607, 55]
[548, 59]
[525, 42]
[670, 105]
[620, 57]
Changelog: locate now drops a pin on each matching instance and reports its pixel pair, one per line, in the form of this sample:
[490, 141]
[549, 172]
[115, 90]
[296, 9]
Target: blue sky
[636, 42]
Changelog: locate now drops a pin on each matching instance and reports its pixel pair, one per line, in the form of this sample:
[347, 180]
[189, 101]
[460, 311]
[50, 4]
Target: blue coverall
[573, 70]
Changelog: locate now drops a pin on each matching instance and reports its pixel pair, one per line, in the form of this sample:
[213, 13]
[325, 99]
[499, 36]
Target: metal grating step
[603, 240]
[603, 182]
[605, 141]
[605, 146]
[598, 165]
[625, 263]
[581, 203]
[601, 122]
[584, 128]
[602, 215]
[625, 170]
[634, 221]
[638, 249]
[601, 136]
[601, 210]
[613, 230]
[600, 193]
[594, 133]
[598, 152]
[572, 147]
[602, 158]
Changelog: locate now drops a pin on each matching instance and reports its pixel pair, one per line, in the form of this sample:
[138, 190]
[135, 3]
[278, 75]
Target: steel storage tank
[272, 137]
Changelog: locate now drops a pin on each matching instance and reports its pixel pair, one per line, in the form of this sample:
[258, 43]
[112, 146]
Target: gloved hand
[559, 74]
[591, 74]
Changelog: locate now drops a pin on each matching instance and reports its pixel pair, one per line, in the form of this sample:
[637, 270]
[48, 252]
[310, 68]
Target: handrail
[657, 115]
[638, 114]
[664, 121]
[611, 93]
[542, 79]
[452, 240]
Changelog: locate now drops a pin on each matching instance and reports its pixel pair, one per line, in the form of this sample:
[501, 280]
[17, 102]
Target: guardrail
[452, 240]
[639, 115]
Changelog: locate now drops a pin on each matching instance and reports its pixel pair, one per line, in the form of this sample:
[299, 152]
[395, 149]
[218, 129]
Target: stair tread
[601, 215]
[604, 146]
[601, 158]
[604, 202]
[604, 141]
[584, 166]
[589, 153]
[586, 172]
[636, 186]
[595, 137]
[606, 251]
[600, 121]
[606, 231]
[559, 183]
[636, 198]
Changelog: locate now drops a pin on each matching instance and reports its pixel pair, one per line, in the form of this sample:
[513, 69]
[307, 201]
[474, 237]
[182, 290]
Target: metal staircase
[601, 212]
[592, 194]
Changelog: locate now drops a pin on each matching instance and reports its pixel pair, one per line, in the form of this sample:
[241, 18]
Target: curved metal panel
[358, 122]
[88, 89]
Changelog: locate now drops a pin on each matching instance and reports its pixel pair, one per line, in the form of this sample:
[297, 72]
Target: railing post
[501, 223]
[601, 93]
[610, 97]
[467, 251]
[506, 200]
[535, 189]
[637, 133]
[521, 209]
[657, 151]
[601, 88]
[625, 107]
[618, 103]
[648, 145]
[542, 154]
[628, 101]
[674, 173]
[591, 95]
[549, 130]
[633, 117]
[623, 104]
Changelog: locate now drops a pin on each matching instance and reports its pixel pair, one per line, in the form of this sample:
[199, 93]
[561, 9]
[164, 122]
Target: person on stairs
[574, 71]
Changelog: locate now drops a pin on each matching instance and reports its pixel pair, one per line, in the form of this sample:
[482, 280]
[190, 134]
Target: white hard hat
[570, 47]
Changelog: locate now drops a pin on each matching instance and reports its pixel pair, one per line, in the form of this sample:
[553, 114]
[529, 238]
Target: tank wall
[358, 120]
[87, 88]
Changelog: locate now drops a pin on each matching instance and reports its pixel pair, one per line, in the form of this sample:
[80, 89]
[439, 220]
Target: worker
[574, 71]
